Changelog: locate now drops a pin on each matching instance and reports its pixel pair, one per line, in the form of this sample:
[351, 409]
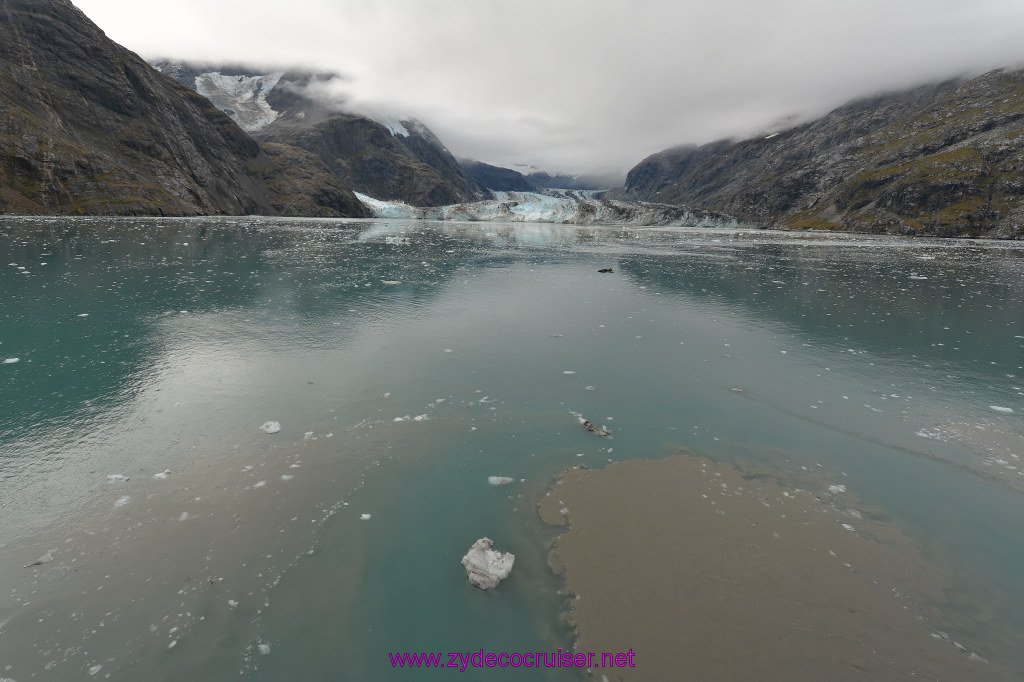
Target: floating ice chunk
[569, 371]
[286, 477]
[260, 484]
[448, 350]
[486, 567]
[271, 427]
[264, 649]
[499, 480]
[173, 643]
[11, 361]
[364, 517]
[420, 418]
[385, 395]
[232, 603]
[1004, 410]
[308, 435]
[166, 473]
[591, 388]
[122, 501]
[95, 669]
[84, 315]
[390, 282]
[399, 419]
[848, 527]
[45, 559]
[836, 489]
[117, 478]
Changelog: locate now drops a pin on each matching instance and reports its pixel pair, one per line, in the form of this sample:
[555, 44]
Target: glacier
[567, 207]
[244, 98]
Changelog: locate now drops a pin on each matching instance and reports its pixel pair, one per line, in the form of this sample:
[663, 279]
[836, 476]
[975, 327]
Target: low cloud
[597, 85]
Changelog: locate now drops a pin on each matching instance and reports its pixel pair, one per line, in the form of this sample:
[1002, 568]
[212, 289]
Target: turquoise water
[889, 366]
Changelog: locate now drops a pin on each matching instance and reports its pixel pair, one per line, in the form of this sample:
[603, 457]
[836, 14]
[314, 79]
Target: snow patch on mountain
[244, 98]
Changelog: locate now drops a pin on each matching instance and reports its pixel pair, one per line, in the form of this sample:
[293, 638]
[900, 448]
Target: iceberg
[486, 567]
[499, 480]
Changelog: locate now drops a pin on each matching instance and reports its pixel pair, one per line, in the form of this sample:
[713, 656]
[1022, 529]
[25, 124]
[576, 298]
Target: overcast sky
[577, 85]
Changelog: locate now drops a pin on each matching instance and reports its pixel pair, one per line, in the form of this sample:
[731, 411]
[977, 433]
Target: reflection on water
[409, 361]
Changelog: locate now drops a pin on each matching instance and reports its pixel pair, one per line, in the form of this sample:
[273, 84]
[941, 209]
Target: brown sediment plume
[707, 575]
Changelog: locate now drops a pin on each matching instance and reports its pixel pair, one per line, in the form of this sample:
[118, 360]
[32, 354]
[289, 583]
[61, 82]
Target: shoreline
[710, 575]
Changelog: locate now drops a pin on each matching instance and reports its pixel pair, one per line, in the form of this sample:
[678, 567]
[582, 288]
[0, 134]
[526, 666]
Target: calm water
[407, 362]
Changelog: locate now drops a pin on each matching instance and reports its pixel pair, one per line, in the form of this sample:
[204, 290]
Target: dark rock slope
[393, 160]
[495, 178]
[88, 127]
[945, 160]
[384, 163]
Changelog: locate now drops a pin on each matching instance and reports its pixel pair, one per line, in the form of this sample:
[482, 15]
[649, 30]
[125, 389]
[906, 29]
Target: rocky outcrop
[90, 128]
[942, 159]
[495, 178]
[486, 567]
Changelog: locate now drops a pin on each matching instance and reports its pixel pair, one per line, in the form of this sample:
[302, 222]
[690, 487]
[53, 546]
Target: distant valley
[90, 128]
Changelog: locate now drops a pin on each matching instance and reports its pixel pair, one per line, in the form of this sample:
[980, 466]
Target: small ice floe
[385, 395]
[184, 516]
[500, 480]
[590, 388]
[232, 603]
[166, 473]
[569, 372]
[83, 315]
[259, 484]
[486, 567]
[271, 427]
[173, 643]
[95, 669]
[848, 527]
[836, 489]
[602, 431]
[364, 517]
[308, 435]
[390, 282]
[264, 649]
[45, 559]
[122, 501]
[117, 478]
[286, 477]
[448, 350]
[400, 419]
[11, 361]
[1004, 410]
[420, 418]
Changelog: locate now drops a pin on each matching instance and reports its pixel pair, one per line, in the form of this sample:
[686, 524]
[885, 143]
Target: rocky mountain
[944, 159]
[495, 178]
[545, 180]
[388, 159]
[91, 128]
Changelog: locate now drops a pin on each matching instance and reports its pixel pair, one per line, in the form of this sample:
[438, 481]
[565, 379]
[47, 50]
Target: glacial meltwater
[157, 524]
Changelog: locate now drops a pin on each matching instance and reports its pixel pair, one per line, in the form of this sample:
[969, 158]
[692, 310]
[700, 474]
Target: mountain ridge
[91, 128]
[939, 160]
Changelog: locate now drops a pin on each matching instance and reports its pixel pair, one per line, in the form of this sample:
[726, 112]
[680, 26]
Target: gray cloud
[573, 85]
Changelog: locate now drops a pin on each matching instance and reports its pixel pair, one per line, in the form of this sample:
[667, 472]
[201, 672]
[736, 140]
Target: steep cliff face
[88, 127]
[945, 160]
[397, 160]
